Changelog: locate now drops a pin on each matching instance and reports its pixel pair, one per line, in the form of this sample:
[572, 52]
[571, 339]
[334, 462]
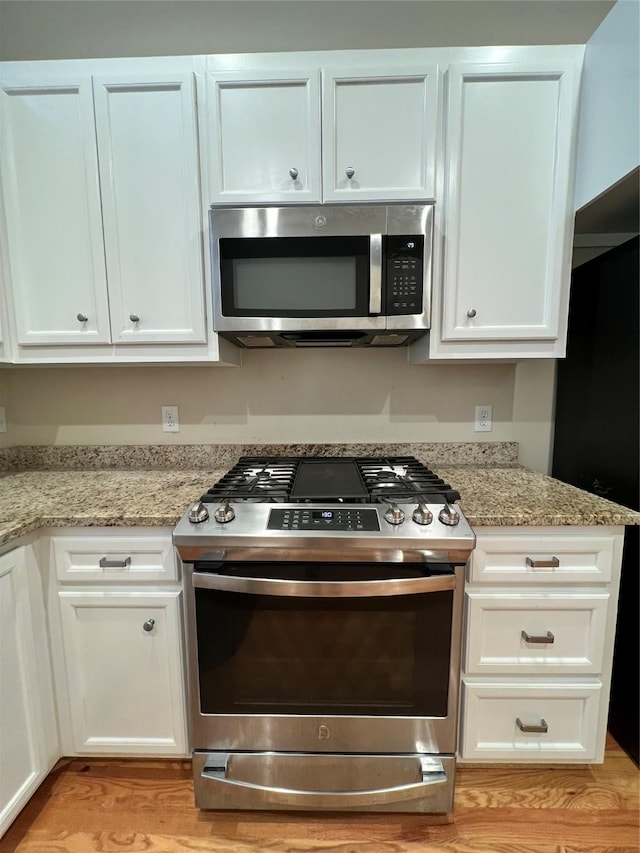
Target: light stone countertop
[491, 496]
[514, 496]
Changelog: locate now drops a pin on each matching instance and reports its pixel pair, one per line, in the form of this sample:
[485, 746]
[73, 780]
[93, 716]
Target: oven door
[340, 658]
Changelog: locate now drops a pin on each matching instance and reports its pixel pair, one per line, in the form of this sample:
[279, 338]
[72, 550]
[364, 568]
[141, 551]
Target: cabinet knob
[471, 313]
[148, 625]
[294, 173]
[349, 172]
[134, 318]
[82, 318]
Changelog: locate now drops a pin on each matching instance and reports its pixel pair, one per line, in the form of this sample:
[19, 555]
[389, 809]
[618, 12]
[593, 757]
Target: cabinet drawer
[122, 558]
[542, 559]
[495, 714]
[538, 632]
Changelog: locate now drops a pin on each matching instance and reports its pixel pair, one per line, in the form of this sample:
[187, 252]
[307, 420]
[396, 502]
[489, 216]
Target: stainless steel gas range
[323, 612]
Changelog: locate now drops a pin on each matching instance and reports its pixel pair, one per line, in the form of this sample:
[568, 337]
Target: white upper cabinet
[52, 209]
[108, 168]
[5, 345]
[102, 213]
[146, 128]
[263, 137]
[508, 216]
[378, 134]
[509, 141]
[273, 138]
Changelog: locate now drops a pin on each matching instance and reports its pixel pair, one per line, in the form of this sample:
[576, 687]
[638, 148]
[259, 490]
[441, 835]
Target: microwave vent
[389, 340]
[256, 341]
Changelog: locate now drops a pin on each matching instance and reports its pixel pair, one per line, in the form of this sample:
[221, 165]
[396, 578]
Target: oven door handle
[431, 772]
[324, 589]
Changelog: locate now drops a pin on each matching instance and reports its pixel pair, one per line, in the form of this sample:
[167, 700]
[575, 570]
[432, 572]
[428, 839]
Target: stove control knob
[422, 514]
[449, 515]
[198, 513]
[394, 515]
[224, 513]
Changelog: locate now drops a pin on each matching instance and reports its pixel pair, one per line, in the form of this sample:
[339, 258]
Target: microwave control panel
[404, 274]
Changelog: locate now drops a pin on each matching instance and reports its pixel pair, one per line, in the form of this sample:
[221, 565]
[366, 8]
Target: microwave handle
[375, 273]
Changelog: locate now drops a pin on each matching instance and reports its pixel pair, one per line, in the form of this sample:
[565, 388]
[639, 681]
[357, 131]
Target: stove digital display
[349, 518]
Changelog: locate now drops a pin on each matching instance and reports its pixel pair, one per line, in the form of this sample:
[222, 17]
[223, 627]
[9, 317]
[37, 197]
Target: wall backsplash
[315, 396]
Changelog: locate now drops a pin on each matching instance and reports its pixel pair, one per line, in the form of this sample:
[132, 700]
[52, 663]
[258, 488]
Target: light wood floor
[113, 806]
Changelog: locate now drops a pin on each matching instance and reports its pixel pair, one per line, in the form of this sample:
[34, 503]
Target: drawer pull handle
[543, 728]
[106, 563]
[148, 625]
[553, 563]
[543, 638]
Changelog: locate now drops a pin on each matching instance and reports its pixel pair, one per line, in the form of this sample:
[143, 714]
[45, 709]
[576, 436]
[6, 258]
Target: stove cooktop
[390, 505]
[291, 479]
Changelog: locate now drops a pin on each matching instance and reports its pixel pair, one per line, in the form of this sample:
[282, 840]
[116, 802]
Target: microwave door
[305, 284]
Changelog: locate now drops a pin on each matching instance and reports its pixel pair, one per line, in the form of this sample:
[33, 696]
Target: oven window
[295, 277]
[386, 656]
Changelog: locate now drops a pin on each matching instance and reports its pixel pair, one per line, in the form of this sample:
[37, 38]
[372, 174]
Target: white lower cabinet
[28, 734]
[122, 653]
[120, 663]
[540, 613]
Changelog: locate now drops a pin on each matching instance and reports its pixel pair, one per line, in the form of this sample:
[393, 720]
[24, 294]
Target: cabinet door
[52, 208]
[21, 748]
[509, 215]
[124, 673]
[4, 349]
[380, 129]
[263, 137]
[151, 207]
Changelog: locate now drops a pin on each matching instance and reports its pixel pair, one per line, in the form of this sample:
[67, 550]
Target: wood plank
[131, 806]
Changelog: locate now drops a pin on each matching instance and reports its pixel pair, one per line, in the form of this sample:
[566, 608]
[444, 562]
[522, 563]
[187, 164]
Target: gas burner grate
[255, 478]
[393, 479]
[404, 479]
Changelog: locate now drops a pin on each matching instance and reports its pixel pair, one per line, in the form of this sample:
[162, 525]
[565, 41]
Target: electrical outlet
[484, 419]
[170, 419]
[3, 419]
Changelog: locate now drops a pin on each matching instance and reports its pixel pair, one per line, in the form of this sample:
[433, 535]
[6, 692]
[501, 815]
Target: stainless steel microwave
[329, 275]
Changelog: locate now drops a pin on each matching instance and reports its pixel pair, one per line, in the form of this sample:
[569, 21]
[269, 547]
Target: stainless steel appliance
[329, 275]
[323, 602]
